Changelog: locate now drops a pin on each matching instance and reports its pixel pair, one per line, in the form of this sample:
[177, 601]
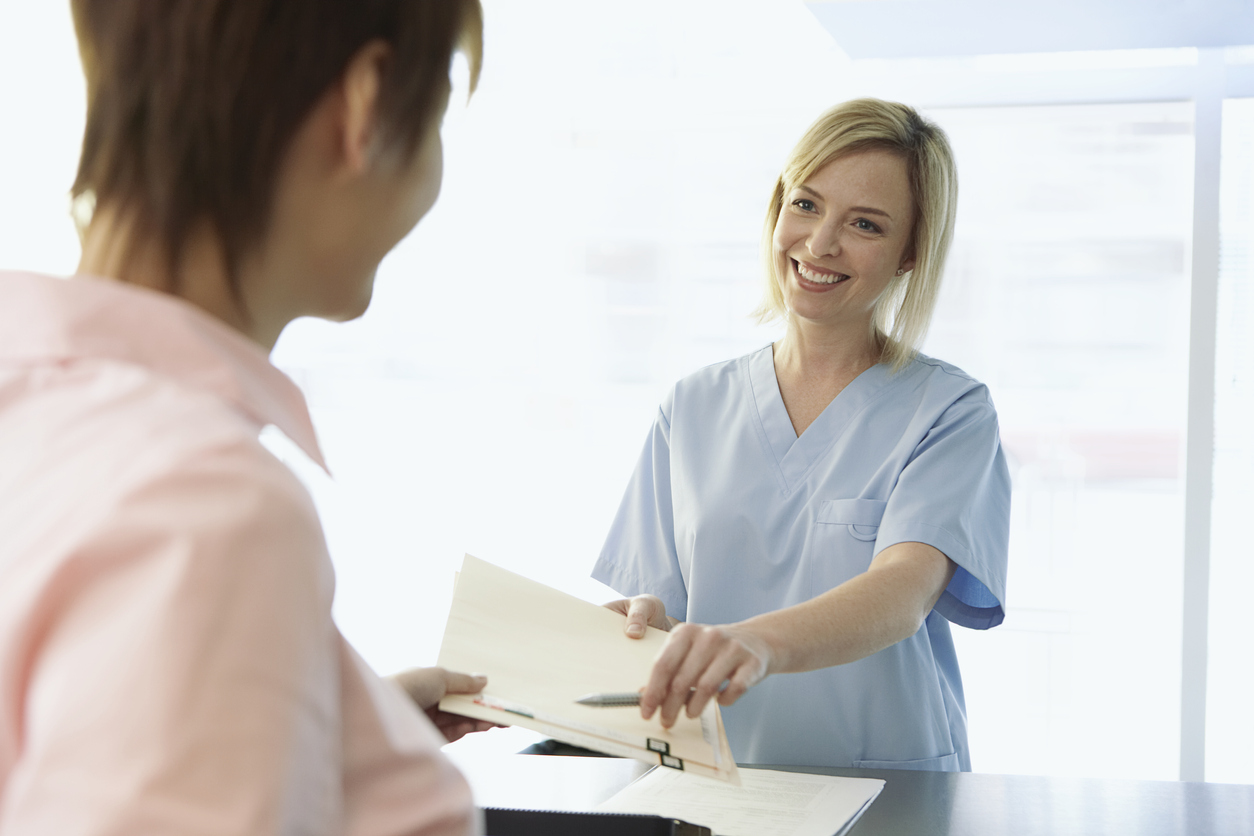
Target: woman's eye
[804, 205]
[865, 225]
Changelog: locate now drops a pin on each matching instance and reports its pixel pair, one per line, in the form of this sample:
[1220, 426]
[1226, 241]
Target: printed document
[767, 802]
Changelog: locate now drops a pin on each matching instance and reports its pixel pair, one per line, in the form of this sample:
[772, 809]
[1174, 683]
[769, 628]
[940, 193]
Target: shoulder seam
[947, 368]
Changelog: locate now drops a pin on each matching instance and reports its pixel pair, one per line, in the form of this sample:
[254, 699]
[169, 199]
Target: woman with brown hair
[168, 660]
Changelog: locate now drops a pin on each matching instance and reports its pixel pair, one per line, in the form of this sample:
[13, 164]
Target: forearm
[880, 607]
[862, 616]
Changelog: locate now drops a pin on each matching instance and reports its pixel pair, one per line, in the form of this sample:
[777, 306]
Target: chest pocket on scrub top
[843, 541]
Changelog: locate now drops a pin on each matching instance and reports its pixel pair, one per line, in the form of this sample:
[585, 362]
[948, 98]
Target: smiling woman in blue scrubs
[808, 519]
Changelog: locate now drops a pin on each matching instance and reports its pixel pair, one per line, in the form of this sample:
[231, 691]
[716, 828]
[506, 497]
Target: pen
[620, 699]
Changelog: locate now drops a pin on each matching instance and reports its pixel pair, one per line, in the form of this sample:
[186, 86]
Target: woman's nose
[824, 240]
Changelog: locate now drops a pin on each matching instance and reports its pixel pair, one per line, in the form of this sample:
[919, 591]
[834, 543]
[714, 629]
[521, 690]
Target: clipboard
[502, 822]
[542, 649]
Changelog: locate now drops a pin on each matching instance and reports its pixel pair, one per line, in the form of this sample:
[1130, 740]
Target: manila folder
[542, 650]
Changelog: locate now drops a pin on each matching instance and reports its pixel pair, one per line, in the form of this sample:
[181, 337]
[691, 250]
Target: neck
[112, 249]
[814, 350]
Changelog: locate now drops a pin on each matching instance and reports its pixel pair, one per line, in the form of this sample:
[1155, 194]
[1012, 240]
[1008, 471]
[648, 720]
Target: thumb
[638, 617]
[463, 683]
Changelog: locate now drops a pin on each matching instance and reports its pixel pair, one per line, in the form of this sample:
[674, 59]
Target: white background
[597, 238]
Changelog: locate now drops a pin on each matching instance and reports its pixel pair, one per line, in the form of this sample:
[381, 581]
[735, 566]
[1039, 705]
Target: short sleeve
[639, 556]
[954, 495]
[187, 681]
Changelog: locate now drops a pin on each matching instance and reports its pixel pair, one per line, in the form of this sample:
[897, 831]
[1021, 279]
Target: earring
[900, 272]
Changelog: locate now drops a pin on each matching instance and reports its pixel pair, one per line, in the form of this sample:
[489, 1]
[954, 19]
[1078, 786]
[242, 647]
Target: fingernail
[635, 630]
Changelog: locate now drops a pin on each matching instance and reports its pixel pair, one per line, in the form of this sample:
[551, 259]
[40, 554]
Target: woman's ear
[361, 86]
[907, 260]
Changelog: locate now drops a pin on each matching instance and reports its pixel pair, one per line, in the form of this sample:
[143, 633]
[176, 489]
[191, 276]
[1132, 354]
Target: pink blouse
[168, 661]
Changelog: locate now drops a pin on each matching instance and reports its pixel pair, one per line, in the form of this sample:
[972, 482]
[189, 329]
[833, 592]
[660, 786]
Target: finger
[457, 731]
[705, 648]
[425, 686]
[638, 614]
[465, 726]
[448, 723]
[443, 722]
[744, 678]
[441, 719]
[711, 682]
[657, 616]
[463, 683]
[664, 668]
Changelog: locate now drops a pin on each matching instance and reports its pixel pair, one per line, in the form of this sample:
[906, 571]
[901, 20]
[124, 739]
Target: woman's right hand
[640, 611]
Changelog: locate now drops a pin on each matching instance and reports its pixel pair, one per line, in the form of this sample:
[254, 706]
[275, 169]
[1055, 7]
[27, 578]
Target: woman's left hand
[427, 686]
[695, 662]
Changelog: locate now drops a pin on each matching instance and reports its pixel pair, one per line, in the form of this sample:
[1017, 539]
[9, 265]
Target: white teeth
[819, 278]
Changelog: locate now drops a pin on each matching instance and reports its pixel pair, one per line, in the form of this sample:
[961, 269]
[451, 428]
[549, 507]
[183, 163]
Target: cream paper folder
[542, 649]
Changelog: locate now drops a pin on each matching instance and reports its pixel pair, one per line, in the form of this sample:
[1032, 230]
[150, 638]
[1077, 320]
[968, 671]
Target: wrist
[764, 643]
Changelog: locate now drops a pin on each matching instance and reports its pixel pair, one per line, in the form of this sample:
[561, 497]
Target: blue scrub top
[730, 514]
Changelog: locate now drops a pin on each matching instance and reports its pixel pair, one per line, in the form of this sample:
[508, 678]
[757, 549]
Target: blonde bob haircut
[904, 311]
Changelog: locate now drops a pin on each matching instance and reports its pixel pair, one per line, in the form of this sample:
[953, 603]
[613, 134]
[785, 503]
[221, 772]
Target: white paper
[767, 803]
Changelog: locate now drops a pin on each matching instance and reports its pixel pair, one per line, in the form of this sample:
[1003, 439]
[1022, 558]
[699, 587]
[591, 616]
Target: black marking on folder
[659, 746]
[673, 762]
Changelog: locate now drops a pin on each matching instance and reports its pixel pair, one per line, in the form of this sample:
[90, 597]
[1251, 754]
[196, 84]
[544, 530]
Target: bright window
[1230, 722]
[1068, 294]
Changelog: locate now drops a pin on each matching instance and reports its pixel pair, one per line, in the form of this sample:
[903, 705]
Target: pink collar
[44, 318]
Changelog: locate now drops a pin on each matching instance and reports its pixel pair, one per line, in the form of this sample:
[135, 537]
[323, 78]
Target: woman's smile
[816, 279]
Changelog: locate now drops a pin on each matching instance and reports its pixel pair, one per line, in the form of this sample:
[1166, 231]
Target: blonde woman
[807, 520]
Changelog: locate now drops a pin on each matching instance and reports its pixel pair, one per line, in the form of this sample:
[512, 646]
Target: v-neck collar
[795, 455]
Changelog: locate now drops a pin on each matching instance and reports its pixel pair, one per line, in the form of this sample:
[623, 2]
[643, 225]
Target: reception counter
[922, 803]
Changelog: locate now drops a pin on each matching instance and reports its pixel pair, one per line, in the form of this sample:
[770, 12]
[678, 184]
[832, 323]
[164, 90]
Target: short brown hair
[904, 311]
[191, 104]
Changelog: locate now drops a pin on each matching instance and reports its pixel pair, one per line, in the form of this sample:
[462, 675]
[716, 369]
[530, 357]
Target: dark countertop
[912, 803]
